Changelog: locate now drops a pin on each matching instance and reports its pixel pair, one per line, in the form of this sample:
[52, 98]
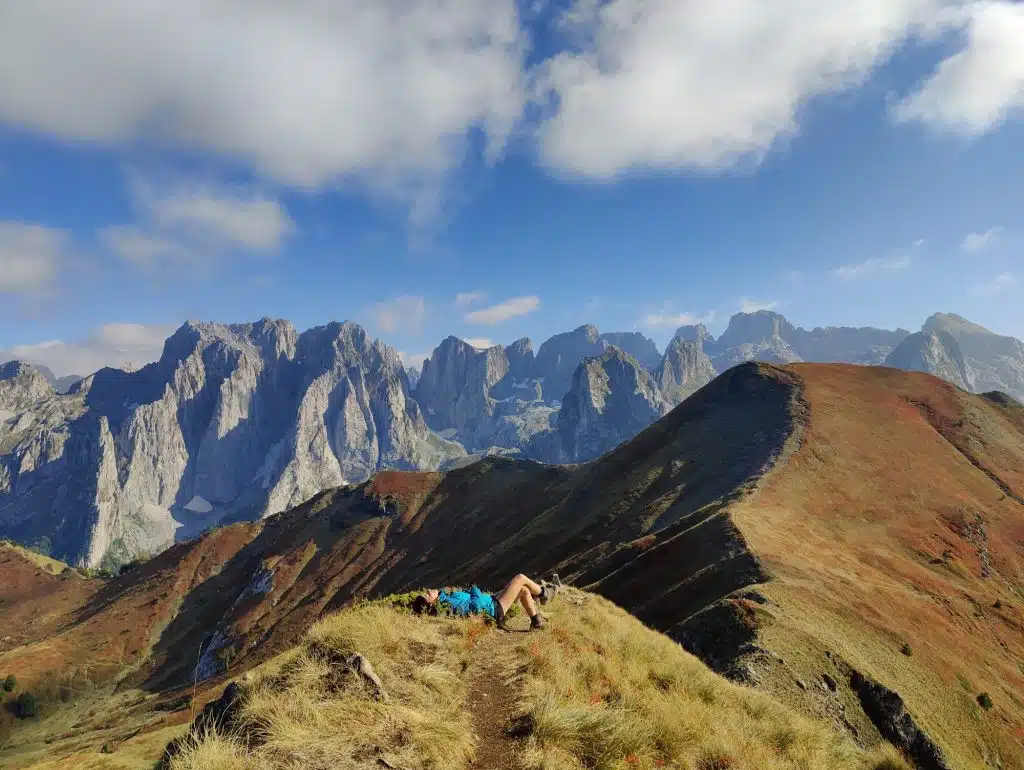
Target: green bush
[26, 706]
[10, 683]
[984, 701]
[905, 649]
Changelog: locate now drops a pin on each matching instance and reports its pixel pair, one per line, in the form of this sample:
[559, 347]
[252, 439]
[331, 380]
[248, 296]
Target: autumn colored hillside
[849, 539]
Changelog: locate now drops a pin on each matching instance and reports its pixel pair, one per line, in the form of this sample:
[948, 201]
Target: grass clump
[984, 700]
[308, 710]
[10, 682]
[602, 691]
[906, 649]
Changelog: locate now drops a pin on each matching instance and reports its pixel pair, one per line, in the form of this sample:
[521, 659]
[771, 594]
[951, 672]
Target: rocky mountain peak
[520, 359]
[684, 369]
[694, 333]
[612, 398]
[22, 385]
[642, 348]
[935, 353]
[760, 326]
[559, 356]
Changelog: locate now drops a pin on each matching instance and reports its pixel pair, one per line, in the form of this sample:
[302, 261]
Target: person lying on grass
[476, 602]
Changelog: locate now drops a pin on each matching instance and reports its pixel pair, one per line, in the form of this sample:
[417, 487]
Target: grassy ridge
[597, 690]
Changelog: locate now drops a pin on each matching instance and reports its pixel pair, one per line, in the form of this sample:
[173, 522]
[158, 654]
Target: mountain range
[237, 422]
[845, 539]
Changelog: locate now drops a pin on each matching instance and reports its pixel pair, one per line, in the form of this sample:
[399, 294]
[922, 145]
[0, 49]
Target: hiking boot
[537, 622]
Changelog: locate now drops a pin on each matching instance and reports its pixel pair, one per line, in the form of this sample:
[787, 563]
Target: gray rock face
[233, 422]
[637, 345]
[684, 369]
[611, 400]
[996, 362]
[520, 359]
[22, 385]
[768, 336]
[935, 353]
[698, 333]
[559, 356]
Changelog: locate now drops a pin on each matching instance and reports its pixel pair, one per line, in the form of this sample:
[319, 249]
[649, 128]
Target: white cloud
[30, 257]
[668, 319]
[479, 342]
[873, 266]
[308, 92]
[462, 299]
[752, 305]
[142, 249]
[671, 84]
[111, 345]
[503, 311]
[210, 214]
[401, 313]
[999, 284]
[193, 221]
[976, 242]
[978, 87]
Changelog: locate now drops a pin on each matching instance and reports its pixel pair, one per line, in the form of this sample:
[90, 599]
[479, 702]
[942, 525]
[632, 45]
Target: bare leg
[508, 595]
[526, 599]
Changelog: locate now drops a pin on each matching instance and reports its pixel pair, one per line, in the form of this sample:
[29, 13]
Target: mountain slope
[997, 362]
[793, 526]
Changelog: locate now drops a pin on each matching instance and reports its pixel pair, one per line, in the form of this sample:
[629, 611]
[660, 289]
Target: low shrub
[26, 706]
[984, 701]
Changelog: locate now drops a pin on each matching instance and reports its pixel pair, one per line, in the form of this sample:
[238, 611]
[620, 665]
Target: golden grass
[53, 566]
[598, 691]
[303, 712]
[602, 691]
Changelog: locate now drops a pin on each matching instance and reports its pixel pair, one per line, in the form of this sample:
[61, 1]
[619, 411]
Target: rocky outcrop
[637, 345]
[21, 386]
[559, 357]
[611, 400]
[684, 369]
[233, 422]
[995, 361]
[935, 353]
[520, 359]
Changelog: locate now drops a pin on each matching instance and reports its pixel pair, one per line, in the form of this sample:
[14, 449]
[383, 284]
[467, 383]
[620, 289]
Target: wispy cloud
[875, 266]
[112, 345]
[406, 313]
[190, 221]
[503, 311]
[753, 305]
[976, 242]
[479, 342]
[464, 298]
[995, 286]
[667, 319]
[31, 257]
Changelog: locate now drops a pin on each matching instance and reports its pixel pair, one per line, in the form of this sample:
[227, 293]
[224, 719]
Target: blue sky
[635, 164]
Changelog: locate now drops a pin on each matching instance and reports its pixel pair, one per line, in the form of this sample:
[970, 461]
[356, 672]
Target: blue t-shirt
[468, 602]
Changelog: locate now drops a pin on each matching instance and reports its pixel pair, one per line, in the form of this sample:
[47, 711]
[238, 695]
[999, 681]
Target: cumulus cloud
[464, 298]
[976, 242]
[753, 305]
[113, 345]
[981, 85]
[404, 313]
[479, 342]
[670, 84]
[308, 92]
[997, 285]
[503, 311]
[874, 266]
[30, 257]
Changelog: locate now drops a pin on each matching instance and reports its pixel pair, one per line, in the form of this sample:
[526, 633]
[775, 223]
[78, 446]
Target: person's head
[426, 601]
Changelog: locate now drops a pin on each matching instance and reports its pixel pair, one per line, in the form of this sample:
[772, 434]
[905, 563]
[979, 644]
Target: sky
[494, 169]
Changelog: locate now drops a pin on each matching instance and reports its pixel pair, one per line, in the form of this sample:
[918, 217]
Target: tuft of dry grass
[306, 711]
[602, 691]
